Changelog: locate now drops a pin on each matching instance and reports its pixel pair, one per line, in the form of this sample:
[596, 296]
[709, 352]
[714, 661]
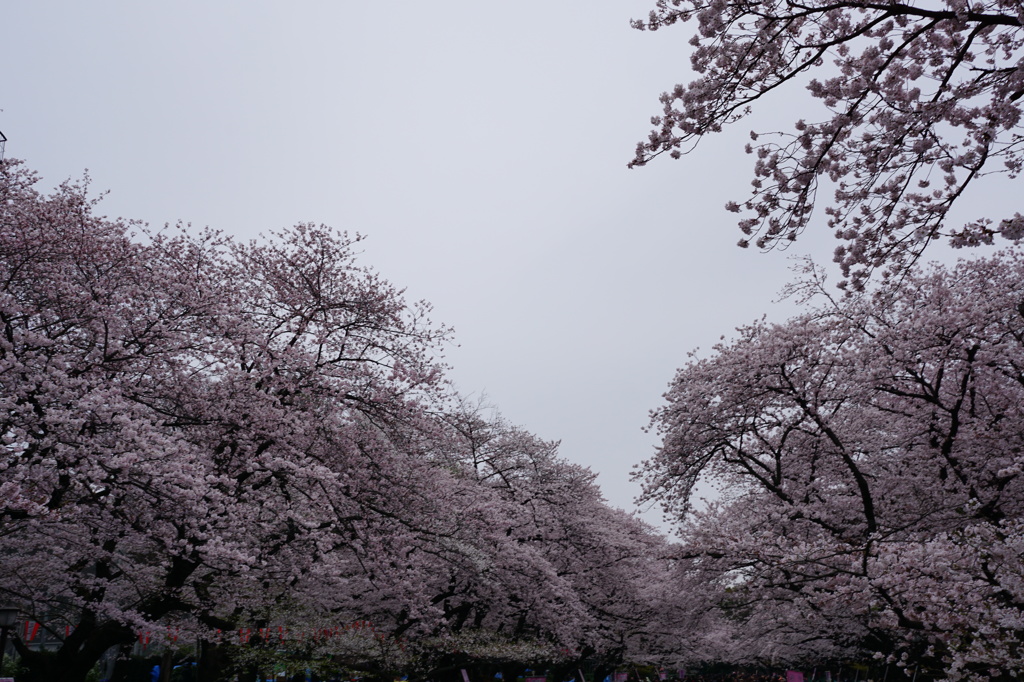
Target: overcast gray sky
[480, 146]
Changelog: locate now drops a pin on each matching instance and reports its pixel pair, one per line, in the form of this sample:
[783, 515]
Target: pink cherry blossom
[202, 436]
[918, 102]
[869, 454]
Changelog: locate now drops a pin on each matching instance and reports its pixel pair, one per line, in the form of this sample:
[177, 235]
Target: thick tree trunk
[56, 668]
[214, 663]
[121, 664]
[78, 654]
[166, 662]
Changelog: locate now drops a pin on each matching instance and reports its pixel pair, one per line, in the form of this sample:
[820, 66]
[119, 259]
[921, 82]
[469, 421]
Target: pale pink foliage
[206, 435]
[607, 565]
[193, 427]
[921, 100]
[870, 455]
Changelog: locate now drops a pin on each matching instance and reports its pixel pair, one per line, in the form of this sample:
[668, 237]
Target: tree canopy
[920, 100]
[204, 439]
[869, 454]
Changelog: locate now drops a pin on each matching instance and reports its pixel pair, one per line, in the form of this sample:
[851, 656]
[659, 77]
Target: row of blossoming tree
[240, 444]
[867, 454]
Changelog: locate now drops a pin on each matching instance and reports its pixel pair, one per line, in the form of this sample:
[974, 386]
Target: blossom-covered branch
[920, 101]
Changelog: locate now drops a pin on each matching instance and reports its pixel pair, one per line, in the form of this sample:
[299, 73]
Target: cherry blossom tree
[609, 562]
[195, 428]
[226, 442]
[869, 455]
[919, 101]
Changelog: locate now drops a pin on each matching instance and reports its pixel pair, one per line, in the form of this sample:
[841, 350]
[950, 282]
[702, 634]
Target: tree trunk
[78, 653]
[166, 662]
[213, 663]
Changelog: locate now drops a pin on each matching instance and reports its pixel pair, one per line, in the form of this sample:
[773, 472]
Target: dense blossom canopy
[920, 99]
[203, 437]
[870, 458]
